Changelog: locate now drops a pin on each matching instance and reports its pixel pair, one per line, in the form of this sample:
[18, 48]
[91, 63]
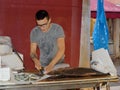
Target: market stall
[68, 78]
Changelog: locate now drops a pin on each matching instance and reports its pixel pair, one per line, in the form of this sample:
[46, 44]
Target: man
[50, 39]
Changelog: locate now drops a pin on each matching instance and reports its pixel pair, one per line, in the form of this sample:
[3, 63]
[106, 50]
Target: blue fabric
[100, 34]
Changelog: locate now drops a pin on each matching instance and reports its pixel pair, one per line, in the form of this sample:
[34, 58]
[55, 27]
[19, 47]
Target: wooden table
[69, 83]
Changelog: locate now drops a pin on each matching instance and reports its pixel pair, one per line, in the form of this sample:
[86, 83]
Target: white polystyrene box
[5, 49]
[0, 62]
[4, 74]
[13, 61]
[5, 45]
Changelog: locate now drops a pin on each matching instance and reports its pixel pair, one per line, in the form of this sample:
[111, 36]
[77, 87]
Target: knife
[41, 71]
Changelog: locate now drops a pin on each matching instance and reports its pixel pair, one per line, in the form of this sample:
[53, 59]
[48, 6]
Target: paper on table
[61, 65]
[102, 62]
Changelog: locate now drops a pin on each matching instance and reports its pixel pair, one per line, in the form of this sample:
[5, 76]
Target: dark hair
[41, 14]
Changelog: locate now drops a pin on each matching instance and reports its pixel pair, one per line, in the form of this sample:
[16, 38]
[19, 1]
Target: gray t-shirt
[47, 42]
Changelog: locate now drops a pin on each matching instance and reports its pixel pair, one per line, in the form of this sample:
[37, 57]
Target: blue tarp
[100, 34]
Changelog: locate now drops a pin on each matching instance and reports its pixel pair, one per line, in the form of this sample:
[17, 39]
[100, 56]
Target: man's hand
[49, 68]
[37, 64]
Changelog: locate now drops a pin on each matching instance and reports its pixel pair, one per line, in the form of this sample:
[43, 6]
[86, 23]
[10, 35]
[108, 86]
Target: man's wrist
[33, 56]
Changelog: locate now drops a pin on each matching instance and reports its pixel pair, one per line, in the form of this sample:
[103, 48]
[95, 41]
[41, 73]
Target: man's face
[43, 24]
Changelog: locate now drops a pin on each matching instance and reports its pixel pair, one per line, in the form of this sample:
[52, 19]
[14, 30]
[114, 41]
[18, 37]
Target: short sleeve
[33, 36]
[60, 32]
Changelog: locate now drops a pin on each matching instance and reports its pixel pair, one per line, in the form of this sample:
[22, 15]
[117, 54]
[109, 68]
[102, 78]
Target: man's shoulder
[56, 25]
[35, 29]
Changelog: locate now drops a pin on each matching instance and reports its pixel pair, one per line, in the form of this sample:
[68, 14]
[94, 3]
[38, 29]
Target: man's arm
[34, 56]
[59, 54]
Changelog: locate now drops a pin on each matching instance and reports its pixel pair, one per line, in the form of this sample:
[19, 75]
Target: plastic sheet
[100, 34]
